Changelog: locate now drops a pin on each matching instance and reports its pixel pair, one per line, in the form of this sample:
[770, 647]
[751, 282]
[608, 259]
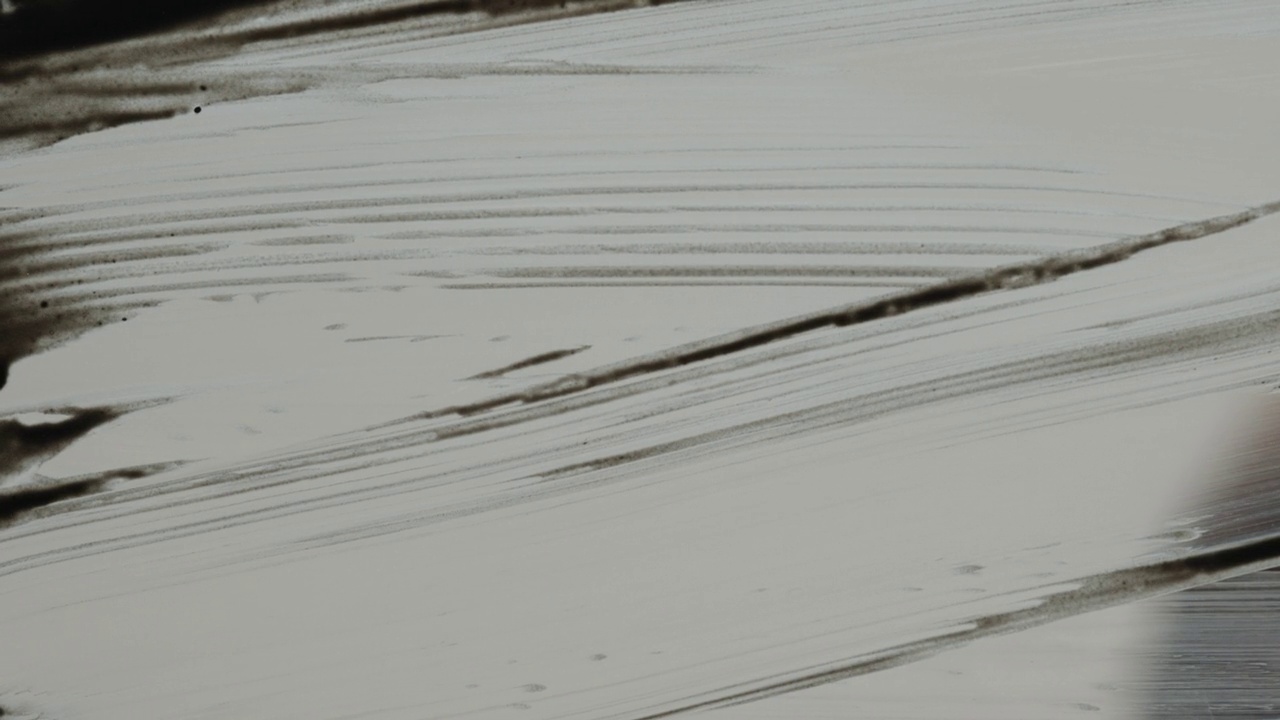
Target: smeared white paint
[363, 252]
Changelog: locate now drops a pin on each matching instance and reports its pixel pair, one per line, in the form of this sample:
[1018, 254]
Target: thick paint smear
[69, 67]
[23, 447]
[16, 504]
[37, 27]
[40, 27]
[40, 499]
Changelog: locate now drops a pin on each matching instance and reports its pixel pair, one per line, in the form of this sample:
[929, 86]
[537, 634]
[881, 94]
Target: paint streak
[1008, 277]
[40, 499]
[540, 359]
[1094, 593]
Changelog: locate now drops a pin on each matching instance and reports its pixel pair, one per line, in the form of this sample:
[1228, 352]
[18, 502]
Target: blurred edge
[1215, 652]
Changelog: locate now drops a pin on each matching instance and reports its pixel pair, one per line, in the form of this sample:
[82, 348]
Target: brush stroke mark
[1008, 277]
[913, 24]
[333, 459]
[1093, 593]
[49, 259]
[540, 359]
[35, 28]
[661, 229]
[256, 205]
[1219, 336]
[24, 447]
[728, 271]
[364, 452]
[37, 499]
[796, 247]
[64, 73]
[147, 224]
[142, 226]
[17, 503]
[39, 112]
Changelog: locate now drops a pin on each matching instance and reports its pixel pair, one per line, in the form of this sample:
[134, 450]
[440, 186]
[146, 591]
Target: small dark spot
[968, 569]
[44, 303]
[197, 110]
[598, 657]
[204, 88]
[533, 687]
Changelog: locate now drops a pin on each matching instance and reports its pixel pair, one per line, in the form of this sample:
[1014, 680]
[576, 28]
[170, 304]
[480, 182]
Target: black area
[1233, 557]
[16, 504]
[38, 27]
